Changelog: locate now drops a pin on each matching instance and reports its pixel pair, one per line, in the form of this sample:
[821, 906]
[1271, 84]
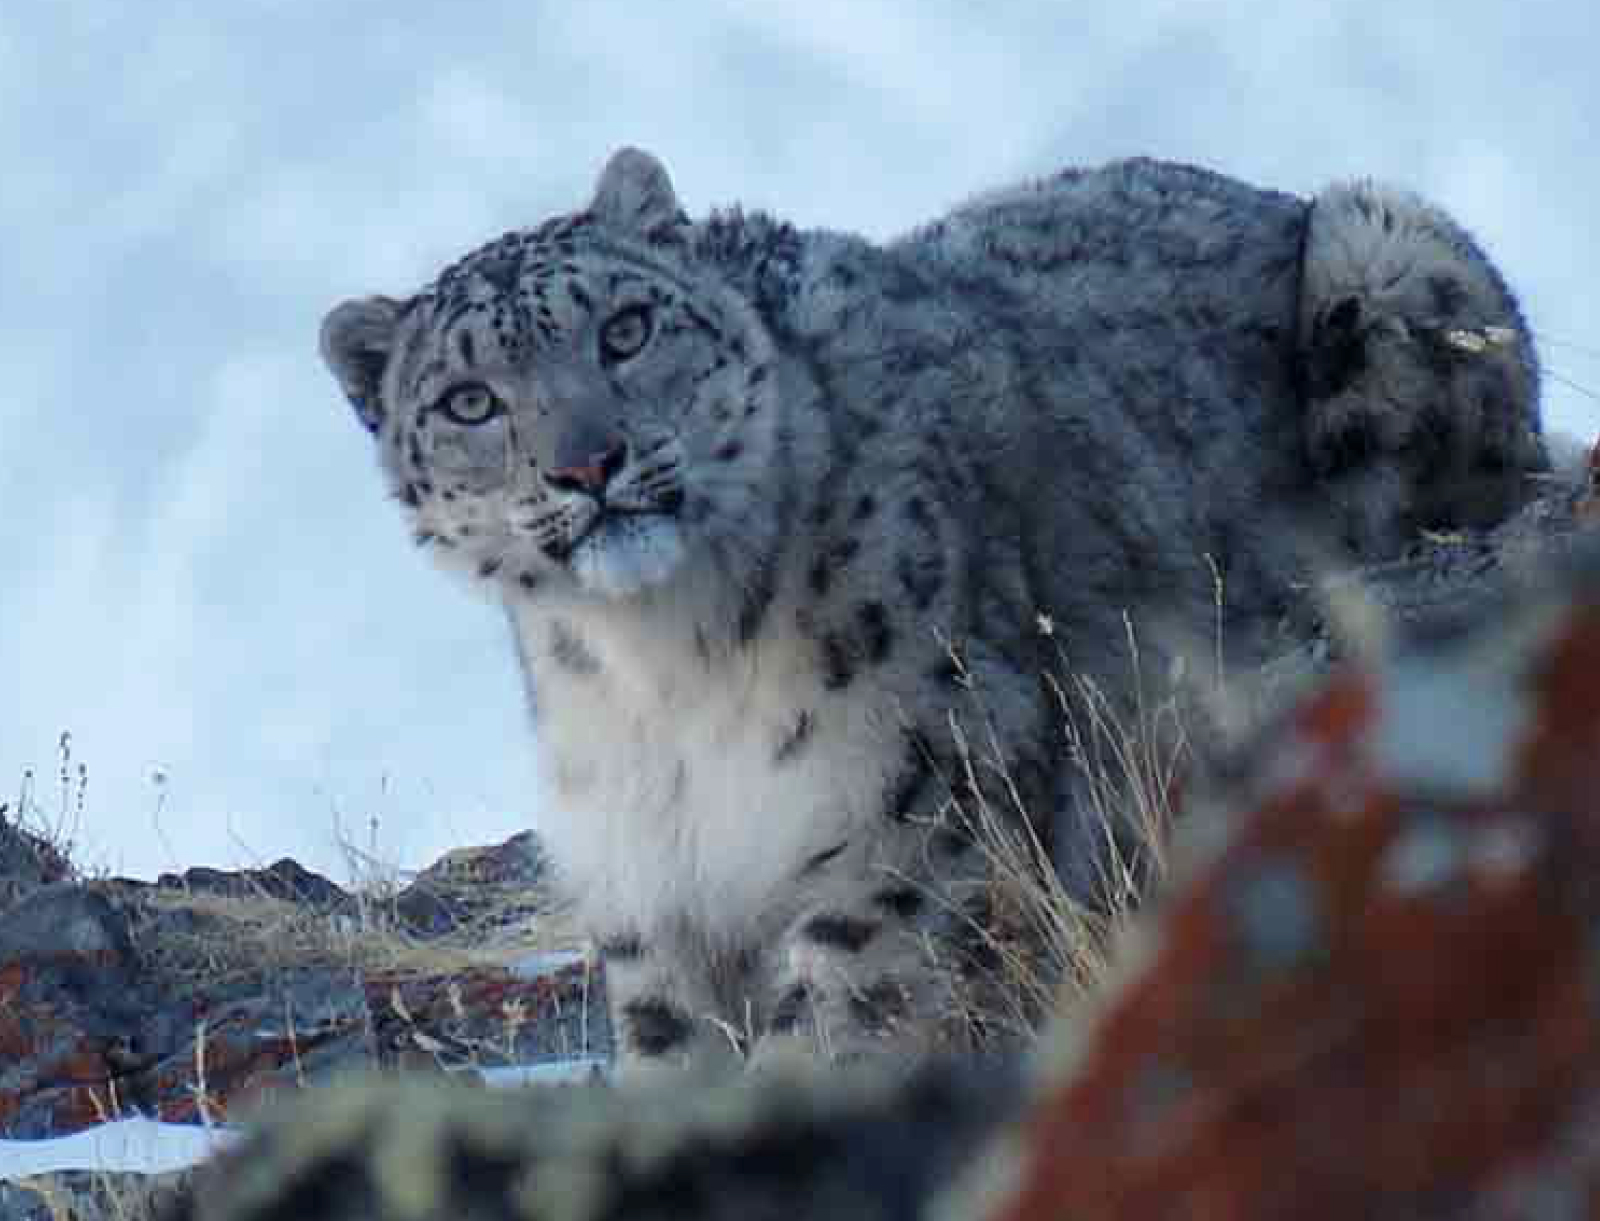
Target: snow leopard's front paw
[857, 981]
[1420, 379]
[663, 1016]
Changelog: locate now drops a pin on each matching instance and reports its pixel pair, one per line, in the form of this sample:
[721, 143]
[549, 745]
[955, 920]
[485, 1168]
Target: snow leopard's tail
[1420, 377]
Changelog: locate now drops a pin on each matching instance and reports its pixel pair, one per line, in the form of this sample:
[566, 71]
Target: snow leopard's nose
[588, 470]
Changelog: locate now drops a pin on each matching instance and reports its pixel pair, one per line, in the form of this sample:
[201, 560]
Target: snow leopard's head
[575, 406]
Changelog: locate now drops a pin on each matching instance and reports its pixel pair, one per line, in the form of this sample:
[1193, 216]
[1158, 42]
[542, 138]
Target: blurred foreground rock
[1376, 996]
[1379, 999]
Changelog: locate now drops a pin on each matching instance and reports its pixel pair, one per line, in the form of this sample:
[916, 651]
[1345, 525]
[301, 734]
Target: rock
[69, 1005]
[483, 1018]
[487, 888]
[27, 861]
[286, 879]
[281, 1034]
[65, 922]
[1378, 999]
[493, 887]
[1442, 584]
[200, 997]
[519, 861]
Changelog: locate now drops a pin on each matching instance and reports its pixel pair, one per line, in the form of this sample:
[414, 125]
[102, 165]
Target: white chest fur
[669, 795]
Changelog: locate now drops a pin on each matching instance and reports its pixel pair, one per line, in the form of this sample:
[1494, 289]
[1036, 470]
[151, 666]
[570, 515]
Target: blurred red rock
[1380, 999]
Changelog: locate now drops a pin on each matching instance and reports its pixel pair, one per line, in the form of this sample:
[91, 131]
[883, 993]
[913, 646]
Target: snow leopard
[763, 505]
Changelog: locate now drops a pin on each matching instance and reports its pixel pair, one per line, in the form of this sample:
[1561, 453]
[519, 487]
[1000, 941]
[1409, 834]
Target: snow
[146, 1146]
[577, 1070]
[143, 1146]
[532, 966]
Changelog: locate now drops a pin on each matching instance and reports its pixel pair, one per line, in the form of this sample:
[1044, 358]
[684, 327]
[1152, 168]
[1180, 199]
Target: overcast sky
[198, 572]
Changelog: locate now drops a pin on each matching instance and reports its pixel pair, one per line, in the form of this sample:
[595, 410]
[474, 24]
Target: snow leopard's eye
[471, 404]
[625, 333]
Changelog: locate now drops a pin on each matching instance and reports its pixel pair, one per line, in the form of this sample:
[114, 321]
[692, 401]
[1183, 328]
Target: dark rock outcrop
[71, 1011]
[27, 860]
[484, 888]
[286, 879]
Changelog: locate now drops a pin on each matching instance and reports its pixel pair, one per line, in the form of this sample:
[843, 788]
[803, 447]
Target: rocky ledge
[200, 995]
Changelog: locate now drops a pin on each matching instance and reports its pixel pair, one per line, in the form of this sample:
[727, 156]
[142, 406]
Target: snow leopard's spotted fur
[745, 491]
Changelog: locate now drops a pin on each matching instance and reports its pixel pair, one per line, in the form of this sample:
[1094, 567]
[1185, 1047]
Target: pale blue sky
[197, 570]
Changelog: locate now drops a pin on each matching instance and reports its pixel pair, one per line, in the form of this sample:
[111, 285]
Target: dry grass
[1050, 950]
[1042, 949]
[51, 834]
[239, 936]
[86, 1196]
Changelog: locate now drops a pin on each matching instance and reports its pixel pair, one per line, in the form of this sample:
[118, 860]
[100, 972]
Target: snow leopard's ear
[357, 337]
[634, 193]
